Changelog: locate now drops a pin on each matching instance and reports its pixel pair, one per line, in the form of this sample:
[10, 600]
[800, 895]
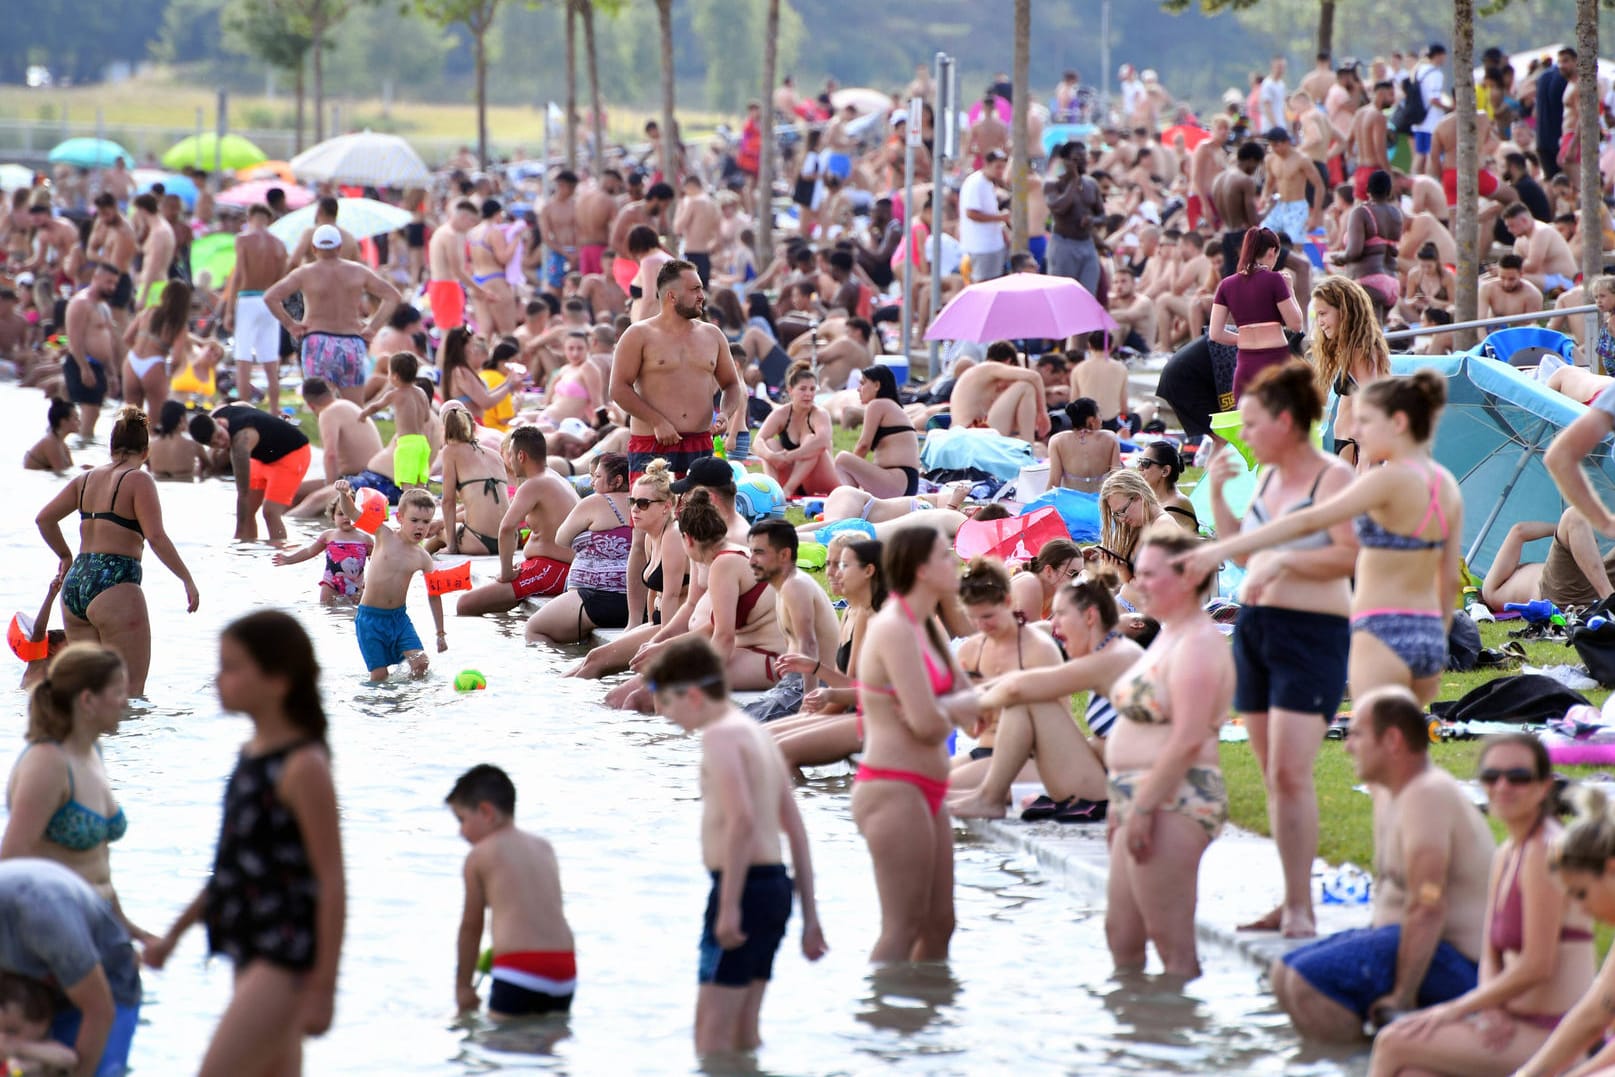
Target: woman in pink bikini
[912, 695]
[1538, 958]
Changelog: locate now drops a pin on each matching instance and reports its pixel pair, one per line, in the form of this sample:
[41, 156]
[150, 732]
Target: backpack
[1412, 110]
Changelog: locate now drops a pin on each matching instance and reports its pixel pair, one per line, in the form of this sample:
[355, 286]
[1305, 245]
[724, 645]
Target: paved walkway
[1239, 880]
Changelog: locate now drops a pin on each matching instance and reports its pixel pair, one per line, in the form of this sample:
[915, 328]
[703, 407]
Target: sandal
[1045, 807]
[1082, 811]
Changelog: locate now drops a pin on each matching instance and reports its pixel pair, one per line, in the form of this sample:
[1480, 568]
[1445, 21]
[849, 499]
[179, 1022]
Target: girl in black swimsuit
[800, 464]
[1161, 465]
[466, 463]
[895, 469]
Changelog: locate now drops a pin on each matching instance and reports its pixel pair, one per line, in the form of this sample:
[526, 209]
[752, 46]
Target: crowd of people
[619, 403]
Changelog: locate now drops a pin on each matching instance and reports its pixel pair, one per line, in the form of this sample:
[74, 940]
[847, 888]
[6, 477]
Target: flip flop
[1082, 811]
[1045, 808]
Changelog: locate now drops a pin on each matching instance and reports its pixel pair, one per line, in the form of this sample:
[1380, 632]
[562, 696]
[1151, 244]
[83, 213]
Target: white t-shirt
[1431, 82]
[1271, 102]
[978, 193]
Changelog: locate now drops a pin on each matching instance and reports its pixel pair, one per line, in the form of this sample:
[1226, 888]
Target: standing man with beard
[91, 345]
[664, 373]
[1075, 204]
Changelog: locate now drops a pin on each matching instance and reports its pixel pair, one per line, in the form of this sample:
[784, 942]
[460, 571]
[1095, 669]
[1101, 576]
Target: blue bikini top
[1371, 533]
[75, 827]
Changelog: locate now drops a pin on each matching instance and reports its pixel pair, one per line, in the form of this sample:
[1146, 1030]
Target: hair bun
[1432, 386]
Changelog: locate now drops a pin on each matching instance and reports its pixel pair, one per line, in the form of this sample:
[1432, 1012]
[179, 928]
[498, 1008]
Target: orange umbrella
[1193, 134]
[267, 170]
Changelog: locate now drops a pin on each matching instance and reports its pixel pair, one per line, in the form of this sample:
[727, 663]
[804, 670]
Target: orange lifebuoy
[443, 580]
[23, 645]
[372, 510]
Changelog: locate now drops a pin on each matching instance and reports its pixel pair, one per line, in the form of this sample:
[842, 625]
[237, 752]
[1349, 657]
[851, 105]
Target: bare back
[521, 882]
[260, 261]
[736, 748]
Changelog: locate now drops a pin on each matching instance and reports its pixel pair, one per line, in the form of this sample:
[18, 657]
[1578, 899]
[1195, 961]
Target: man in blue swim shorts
[91, 342]
[1432, 856]
[750, 900]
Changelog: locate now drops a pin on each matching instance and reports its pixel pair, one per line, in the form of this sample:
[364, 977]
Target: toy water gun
[1537, 611]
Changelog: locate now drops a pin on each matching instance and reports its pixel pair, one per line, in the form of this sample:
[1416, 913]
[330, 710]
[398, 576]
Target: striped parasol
[365, 159]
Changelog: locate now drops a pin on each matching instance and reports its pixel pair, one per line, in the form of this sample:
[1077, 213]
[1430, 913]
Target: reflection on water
[1029, 988]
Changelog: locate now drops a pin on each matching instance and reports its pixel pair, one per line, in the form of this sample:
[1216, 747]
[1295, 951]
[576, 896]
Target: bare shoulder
[712, 334]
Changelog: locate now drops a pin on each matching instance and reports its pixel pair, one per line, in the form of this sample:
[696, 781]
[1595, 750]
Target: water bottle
[1346, 885]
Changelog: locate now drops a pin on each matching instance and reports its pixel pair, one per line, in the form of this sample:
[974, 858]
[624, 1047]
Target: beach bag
[1463, 643]
[1596, 646]
[1525, 698]
[1017, 538]
[1412, 110]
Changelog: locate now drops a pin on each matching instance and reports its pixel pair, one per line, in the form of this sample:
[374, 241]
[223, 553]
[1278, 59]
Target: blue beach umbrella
[175, 184]
[89, 153]
[1079, 511]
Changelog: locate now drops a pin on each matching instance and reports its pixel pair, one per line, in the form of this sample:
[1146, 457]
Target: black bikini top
[108, 515]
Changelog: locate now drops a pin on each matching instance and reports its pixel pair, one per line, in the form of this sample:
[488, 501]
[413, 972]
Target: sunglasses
[643, 503]
[1513, 775]
[1147, 462]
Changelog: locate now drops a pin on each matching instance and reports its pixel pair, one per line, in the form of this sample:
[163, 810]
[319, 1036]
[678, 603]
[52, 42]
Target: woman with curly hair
[1348, 350]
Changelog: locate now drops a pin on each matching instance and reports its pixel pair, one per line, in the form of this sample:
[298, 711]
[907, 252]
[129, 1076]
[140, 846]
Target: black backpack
[1412, 110]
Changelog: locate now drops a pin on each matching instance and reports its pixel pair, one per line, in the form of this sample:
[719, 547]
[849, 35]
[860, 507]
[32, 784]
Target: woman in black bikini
[1161, 465]
[799, 462]
[888, 433]
[467, 464]
[1348, 352]
[50, 453]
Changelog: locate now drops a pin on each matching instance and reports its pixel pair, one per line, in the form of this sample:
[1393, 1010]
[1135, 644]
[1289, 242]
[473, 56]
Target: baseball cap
[1277, 134]
[995, 155]
[708, 471]
[327, 237]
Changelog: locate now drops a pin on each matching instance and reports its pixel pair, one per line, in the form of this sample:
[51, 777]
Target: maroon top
[1254, 297]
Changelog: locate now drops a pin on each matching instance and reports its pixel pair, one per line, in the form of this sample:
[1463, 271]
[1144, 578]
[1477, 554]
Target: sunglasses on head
[1513, 775]
[643, 503]
[657, 687]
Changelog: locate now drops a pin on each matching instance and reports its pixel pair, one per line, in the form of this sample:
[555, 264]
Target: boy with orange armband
[386, 636]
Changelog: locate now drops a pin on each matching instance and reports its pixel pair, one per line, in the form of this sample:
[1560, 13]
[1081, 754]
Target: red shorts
[590, 260]
[624, 270]
[447, 298]
[541, 576]
[643, 448]
[279, 481]
[1449, 184]
[1359, 183]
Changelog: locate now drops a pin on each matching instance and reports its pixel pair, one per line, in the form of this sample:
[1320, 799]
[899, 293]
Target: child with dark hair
[515, 877]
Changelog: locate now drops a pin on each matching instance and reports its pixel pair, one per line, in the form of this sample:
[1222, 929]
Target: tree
[586, 9]
[1466, 302]
[316, 19]
[1592, 190]
[1019, 171]
[765, 149]
[571, 86]
[670, 138]
[1326, 15]
[261, 28]
[476, 16]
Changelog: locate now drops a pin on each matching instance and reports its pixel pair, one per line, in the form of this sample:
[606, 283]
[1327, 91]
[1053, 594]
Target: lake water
[1029, 988]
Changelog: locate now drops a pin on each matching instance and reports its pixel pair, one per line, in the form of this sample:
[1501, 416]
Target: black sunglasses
[1513, 775]
[643, 503]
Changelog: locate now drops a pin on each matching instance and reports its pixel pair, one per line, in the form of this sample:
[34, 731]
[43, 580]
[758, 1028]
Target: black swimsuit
[108, 515]
[494, 489]
[911, 485]
[261, 900]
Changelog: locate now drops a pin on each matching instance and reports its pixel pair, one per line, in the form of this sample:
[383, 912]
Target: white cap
[24, 279]
[899, 115]
[327, 237]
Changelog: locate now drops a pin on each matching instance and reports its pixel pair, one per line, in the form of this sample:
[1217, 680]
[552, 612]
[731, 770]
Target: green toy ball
[469, 680]
[485, 962]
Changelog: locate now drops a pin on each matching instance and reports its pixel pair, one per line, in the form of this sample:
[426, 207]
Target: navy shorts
[1293, 660]
[94, 394]
[1357, 968]
[375, 480]
[765, 908]
[385, 636]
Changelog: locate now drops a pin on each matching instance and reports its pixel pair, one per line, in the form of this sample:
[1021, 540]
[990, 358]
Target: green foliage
[475, 15]
[731, 34]
[263, 29]
[1211, 7]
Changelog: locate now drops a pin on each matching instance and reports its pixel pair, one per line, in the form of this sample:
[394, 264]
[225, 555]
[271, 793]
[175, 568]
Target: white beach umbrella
[365, 159]
[359, 217]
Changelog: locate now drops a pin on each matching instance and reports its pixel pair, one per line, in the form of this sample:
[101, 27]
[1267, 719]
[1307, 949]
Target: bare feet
[975, 807]
[1290, 925]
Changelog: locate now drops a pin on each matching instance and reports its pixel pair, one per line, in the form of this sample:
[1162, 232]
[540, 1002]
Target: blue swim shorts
[385, 636]
[765, 908]
[1357, 968]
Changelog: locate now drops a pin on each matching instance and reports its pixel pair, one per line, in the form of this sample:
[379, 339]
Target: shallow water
[1029, 988]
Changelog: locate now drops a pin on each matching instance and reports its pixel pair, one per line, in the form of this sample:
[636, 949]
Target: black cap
[708, 471]
[1436, 49]
[1277, 134]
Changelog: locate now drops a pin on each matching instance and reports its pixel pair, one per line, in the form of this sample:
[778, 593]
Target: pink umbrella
[1020, 306]
[257, 191]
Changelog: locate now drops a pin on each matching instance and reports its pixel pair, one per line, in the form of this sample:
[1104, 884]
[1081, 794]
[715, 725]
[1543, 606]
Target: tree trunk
[479, 39]
[318, 49]
[1021, 108]
[670, 138]
[571, 85]
[597, 158]
[297, 81]
[1591, 227]
[766, 147]
[1326, 26]
[1467, 217]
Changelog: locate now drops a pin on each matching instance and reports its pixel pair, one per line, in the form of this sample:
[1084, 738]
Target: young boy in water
[386, 636]
[746, 802]
[514, 875]
[27, 1007]
[412, 413]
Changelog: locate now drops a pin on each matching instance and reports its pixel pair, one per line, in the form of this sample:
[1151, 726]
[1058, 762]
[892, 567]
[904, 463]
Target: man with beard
[91, 344]
[676, 360]
[112, 240]
[1509, 292]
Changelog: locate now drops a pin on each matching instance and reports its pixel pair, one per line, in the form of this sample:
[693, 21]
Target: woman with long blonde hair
[1127, 507]
[1348, 349]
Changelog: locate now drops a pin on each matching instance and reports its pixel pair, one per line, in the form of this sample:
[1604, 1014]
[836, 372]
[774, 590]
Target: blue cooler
[898, 365]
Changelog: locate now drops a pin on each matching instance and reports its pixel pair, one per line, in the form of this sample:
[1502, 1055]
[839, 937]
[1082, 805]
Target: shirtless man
[1288, 174]
[333, 334]
[1207, 159]
[698, 223]
[348, 443]
[1366, 143]
[1343, 99]
[805, 613]
[1001, 396]
[156, 250]
[1319, 142]
[1545, 256]
[665, 371]
[540, 503]
[1426, 193]
[648, 211]
[1576, 573]
[91, 347]
[987, 134]
[117, 182]
[325, 212]
[1179, 305]
[448, 279]
[1315, 84]
[1102, 378]
[261, 260]
[1508, 292]
[596, 208]
[56, 249]
[1432, 864]
[1233, 194]
[558, 223]
[112, 240]
[1134, 313]
[839, 358]
[746, 804]
[1423, 228]
[600, 290]
[493, 300]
